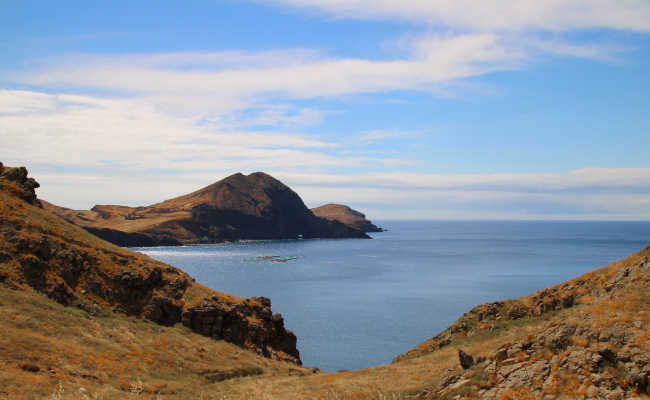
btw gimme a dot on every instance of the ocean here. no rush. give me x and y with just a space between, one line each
356 303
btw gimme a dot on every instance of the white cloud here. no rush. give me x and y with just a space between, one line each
90 132
274 115
379 134
580 179
215 85
433 59
192 109
595 51
490 15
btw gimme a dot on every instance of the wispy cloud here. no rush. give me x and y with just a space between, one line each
575 180
594 51
432 59
84 131
503 15
377 135
273 115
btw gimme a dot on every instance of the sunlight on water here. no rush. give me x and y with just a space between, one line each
180 253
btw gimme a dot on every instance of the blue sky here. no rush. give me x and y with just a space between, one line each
420 109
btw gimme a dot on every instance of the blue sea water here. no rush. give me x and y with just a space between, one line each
358 303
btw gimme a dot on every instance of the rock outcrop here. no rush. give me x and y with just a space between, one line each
347 216
590 340
43 252
18 183
256 206
563 355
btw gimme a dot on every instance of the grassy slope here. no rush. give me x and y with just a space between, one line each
34 223
51 351
42 342
114 217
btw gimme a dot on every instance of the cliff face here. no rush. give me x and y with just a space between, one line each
256 206
347 216
41 251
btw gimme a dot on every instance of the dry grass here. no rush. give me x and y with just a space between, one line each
114 217
401 380
46 348
32 223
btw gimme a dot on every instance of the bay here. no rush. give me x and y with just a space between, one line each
358 303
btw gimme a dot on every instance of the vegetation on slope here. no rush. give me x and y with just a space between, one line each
46 253
49 351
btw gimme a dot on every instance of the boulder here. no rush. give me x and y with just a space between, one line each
466 360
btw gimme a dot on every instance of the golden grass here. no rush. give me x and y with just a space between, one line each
114 357
45 346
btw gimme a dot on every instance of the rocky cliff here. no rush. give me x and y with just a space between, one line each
41 251
256 206
347 216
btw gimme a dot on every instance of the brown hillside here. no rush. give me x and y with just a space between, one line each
49 351
347 216
41 251
256 206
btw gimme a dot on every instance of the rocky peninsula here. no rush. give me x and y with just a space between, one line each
239 207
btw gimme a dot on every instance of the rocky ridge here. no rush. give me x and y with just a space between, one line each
43 252
594 345
255 206
347 216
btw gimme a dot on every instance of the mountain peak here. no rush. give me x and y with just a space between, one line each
254 206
